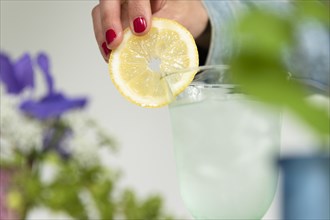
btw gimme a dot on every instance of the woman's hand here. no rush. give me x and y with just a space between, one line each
111 17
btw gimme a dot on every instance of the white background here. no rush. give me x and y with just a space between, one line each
63 29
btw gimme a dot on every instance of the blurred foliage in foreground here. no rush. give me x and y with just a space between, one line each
54 157
263 36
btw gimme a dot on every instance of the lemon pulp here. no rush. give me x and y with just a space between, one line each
141 66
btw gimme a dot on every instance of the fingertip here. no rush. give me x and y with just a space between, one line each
140 25
110 36
106 50
113 38
139 12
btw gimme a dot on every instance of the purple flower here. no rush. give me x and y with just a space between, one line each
16 76
44 65
54 104
51 106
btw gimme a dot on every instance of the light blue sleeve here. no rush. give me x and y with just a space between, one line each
310 59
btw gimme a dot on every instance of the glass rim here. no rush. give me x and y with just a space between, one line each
198 69
222 68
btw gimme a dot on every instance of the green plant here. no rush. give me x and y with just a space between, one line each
262 37
54 153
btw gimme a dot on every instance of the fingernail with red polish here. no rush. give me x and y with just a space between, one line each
139 24
110 35
106 50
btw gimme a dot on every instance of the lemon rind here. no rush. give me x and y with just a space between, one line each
114 58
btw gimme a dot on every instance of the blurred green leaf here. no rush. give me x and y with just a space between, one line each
129 205
313 10
101 191
259 66
151 208
63 193
263 31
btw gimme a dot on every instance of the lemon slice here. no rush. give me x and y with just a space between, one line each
146 69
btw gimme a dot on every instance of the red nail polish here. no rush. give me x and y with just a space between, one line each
110 35
106 50
139 24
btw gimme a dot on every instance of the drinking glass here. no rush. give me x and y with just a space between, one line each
225 145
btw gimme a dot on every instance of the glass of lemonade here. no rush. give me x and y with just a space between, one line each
225 145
